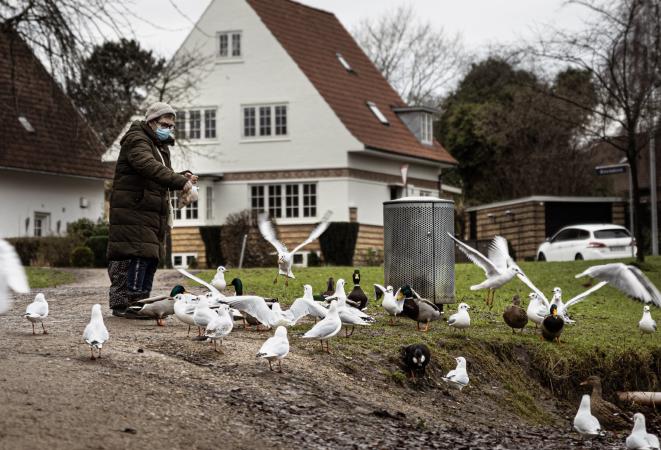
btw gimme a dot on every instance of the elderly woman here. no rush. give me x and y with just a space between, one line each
140 210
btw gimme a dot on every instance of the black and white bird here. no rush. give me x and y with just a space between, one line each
37 311
357 295
415 359
552 325
286 257
96 333
275 348
640 439
12 275
627 278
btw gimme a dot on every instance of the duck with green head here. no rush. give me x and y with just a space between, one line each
158 307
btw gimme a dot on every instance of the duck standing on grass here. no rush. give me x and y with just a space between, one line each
37 311
96 334
419 309
552 325
610 416
647 324
514 316
357 295
585 423
640 439
460 320
275 348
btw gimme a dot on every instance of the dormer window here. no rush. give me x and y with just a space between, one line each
229 44
377 112
427 129
344 62
419 120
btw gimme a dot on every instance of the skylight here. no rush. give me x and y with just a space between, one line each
26 124
377 112
344 62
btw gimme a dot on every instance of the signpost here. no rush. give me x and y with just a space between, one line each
615 169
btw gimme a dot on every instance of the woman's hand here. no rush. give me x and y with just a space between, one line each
192 178
188 186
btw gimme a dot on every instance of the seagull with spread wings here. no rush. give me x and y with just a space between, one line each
626 278
286 257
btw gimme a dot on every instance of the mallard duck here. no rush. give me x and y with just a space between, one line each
330 288
158 307
357 295
514 316
552 325
37 311
415 359
609 415
419 309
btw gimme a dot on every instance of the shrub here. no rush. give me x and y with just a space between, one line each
82 257
55 250
313 259
85 228
99 246
374 257
338 243
211 236
258 252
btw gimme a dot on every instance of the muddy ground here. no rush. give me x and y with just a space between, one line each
156 387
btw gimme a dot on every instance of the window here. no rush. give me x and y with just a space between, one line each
272 120
191 211
300 200
194 124
249 122
291 200
427 132
275 200
425 193
173 205
209 202
344 62
377 112
265 121
41 224
570 234
183 260
229 44
613 233
210 123
180 125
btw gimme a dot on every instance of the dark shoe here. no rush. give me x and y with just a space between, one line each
127 313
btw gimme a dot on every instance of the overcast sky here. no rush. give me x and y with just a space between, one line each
483 23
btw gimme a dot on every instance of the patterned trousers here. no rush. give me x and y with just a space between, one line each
130 280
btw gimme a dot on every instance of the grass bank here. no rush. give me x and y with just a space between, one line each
43 277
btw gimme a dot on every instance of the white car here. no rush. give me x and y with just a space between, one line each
576 242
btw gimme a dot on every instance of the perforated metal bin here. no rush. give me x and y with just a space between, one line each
417 248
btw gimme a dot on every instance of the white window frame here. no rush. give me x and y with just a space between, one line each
343 61
209 202
377 113
280 209
44 224
231 37
275 128
427 132
209 112
185 258
183 117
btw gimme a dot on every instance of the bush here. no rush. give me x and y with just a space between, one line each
82 257
85 228
211 236
55 250
338 243
259 253
99 246
313 259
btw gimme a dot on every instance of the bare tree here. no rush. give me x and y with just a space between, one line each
620 49
419 61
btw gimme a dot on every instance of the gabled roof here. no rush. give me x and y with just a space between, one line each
62 142
313 38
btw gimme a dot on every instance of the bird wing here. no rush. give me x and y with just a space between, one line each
654 294
303 307
266 228
622 277
37 309
378 288
499 254
583 295
477 258
146 301
318 231
95 332
274 347
200 281
253 305
534 288
416 294
12 269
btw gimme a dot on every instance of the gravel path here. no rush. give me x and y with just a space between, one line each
156 387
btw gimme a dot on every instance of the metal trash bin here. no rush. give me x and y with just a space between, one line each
417 249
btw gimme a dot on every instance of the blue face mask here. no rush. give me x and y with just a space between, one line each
162 134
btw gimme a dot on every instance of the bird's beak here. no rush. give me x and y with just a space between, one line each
400 296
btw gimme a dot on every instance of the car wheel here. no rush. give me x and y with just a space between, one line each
541 257
578 257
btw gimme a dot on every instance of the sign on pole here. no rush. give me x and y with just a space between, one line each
611 169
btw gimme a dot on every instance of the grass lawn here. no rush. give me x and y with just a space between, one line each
605 339
40 277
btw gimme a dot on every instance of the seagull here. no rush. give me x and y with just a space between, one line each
285 257
305 306
184 308
219 326
499 267
628 279
214 295
461 319
326 328
351 316
275 348
256 307
203 314
537 309
393 303
563 307
12 275
37 311
96 333
585 423
458 378
219 279
647 324
640 439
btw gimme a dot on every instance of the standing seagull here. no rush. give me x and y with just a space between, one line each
219 279
12 275
326 328
275 348
285 257
96 333
219 326
585 423
37 311
538 307
647 324
628 279
458 378
393 302
499 267
461 319
640 439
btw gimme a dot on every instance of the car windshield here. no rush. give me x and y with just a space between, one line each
613 233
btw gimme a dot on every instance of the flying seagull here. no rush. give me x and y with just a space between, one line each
628 279
12 275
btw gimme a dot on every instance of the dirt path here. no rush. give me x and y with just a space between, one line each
154 386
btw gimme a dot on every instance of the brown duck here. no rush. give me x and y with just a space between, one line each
610 416
514 316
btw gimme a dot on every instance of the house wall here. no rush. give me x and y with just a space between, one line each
24 193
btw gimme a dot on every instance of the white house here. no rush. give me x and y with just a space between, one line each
294 118
50 159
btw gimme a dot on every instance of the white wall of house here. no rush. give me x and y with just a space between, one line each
25 194
264 74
